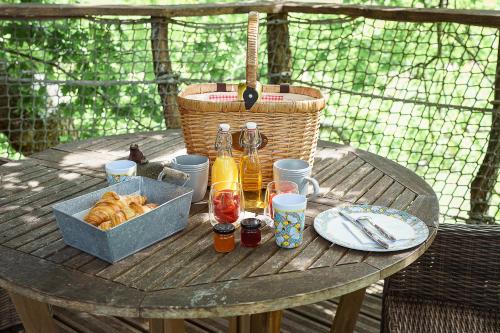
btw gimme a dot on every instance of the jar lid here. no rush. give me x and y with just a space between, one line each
224 228
250 223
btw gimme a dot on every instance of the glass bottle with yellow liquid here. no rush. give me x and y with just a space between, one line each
250 167
224 168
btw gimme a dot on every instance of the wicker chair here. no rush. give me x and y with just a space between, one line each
453 287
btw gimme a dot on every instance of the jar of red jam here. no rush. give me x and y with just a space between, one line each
250 232
224 237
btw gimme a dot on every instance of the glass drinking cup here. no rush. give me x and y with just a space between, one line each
273 189
226 203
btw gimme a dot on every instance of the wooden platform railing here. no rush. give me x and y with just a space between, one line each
486 18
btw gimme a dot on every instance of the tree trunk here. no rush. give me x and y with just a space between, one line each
483 185
279 55
26 133
163 71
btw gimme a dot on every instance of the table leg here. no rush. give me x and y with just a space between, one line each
347 312
240 324
36 316
268 322
166 326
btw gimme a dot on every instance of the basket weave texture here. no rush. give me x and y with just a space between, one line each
291 126
453 287
8 314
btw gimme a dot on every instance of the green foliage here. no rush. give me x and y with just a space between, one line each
415 93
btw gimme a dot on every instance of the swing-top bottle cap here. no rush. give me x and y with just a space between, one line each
251 125
224 127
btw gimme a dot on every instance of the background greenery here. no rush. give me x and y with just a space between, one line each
416 93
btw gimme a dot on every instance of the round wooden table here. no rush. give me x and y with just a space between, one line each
182 276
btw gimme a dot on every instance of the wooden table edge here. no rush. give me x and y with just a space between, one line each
422 189
215 311
140 310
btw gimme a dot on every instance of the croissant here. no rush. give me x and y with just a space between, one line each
135 198
118 218
139 209
110 196
106 225
99 214
112 209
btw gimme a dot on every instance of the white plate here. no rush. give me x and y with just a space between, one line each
331 226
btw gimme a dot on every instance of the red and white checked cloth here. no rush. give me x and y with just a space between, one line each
232 98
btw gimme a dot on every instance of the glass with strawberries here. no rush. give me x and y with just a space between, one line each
226 202
276 188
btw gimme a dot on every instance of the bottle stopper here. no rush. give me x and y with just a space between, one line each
224 127
251 125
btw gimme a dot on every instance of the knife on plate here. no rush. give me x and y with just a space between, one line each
361 227
382 231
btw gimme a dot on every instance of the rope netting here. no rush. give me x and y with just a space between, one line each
419 94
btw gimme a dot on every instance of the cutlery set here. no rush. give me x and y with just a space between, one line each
376 238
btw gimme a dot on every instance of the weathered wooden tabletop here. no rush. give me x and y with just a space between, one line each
182 276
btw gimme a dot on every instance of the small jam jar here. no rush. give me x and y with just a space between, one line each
250 232
223 237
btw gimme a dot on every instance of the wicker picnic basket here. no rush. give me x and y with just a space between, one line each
287 116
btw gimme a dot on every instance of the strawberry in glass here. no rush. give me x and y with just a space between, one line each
225 202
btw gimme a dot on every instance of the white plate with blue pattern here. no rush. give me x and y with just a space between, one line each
409 230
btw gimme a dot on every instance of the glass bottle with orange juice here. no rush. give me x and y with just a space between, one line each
224 168
226 198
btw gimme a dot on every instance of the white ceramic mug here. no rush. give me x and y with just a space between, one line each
297 171
196 166
120 171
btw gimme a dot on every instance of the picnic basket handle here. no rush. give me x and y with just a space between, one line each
252 48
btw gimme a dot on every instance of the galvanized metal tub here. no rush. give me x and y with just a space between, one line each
133 235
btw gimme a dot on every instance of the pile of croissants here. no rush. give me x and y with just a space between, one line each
113 209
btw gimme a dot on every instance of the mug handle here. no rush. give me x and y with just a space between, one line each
315 185
174 174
